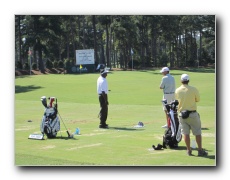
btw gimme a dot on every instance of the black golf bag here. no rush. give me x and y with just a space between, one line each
50 124
172 134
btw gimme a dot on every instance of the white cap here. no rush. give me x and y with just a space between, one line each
104 71
184 77
164 69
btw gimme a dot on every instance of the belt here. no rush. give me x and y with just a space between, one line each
191 111
169 93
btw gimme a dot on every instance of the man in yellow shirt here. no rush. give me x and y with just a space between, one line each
187 97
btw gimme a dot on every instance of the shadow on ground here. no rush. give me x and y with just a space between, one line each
22 89
127 129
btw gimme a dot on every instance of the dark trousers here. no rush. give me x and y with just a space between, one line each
104 110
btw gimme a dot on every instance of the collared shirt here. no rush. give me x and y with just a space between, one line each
102 85
168 84
187 97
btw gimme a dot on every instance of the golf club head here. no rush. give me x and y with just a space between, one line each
164 101
174 105
69 135
44 101
175 102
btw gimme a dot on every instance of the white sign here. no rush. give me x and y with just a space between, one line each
85 56
36 136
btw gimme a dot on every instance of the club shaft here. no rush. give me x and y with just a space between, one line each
62 121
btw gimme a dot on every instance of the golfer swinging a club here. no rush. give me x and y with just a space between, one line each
102 90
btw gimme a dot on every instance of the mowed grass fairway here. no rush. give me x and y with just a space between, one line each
135 96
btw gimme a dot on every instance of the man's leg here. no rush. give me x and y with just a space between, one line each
197 132
187 142
166 124
199 142
103 112
201 152
169 98
165 97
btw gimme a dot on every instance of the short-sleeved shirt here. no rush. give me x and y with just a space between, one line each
187 97
168 84
102 85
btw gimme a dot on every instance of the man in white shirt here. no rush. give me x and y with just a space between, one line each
102 91
168 87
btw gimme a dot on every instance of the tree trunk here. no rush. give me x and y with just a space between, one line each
41 65
19 40
107 45
191 48
72 39
67 46
177 54
110 47
200 45
95 38
170 54
154 48
83 33
38 55
186 49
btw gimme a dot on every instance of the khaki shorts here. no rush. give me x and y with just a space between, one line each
191 123
169 98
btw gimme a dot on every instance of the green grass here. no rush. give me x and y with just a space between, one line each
134 96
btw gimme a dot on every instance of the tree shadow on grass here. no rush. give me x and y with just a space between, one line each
199 70
22 89
127 129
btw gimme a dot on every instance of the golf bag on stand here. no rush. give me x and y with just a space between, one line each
50 124
172 134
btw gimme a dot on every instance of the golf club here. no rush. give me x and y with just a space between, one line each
61 119
64 125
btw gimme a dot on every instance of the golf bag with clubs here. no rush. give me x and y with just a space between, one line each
50 124
172 134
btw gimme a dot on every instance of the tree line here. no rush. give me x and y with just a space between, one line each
119 41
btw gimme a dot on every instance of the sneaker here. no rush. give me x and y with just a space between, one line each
103 126
202 153
189 152
165 126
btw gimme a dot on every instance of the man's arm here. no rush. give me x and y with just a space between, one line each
162 84
197 95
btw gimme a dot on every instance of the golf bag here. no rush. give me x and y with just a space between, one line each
50 124
172 134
